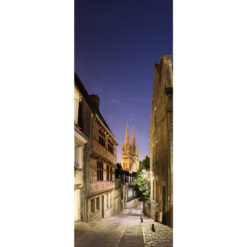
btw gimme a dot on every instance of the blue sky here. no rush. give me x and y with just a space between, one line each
117 44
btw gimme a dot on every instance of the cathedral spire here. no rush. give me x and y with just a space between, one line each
130 154
127 134
133 137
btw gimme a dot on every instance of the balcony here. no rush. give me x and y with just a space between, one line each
101 186
103 152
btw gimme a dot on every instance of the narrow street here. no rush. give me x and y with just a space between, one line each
123 230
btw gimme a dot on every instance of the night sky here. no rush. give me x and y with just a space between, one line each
117 43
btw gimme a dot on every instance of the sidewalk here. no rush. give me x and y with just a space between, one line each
162 237
123 230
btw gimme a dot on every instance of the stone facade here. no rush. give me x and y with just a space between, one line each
80 141
161 142
118 197
130 153
100 157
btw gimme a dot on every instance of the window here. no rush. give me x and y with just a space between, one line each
111 174
110 146
101 141
97 203
99 171
107 174
101 138
93 205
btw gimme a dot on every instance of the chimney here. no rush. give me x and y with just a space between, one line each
95 100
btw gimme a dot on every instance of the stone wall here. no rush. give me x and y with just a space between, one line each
118 201
161 142
106 205
125 195
146 209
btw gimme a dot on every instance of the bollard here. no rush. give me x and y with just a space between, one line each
153 229
141 219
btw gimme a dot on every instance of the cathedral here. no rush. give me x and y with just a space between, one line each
130 153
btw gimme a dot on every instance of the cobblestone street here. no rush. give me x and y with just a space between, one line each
122 230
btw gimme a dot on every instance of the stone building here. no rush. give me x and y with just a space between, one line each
161 142
80 141
100 157
124 180
130 153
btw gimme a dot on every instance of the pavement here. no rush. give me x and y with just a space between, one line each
123 230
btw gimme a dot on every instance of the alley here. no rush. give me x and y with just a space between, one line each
122 230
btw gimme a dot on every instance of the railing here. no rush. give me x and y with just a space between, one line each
101 186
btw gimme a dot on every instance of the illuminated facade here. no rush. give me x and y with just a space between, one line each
130 153
161 142
80 141
100 156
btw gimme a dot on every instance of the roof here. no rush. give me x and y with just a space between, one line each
86 96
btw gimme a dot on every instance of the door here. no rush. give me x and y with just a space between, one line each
103 206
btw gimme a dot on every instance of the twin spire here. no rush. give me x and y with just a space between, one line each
127 135
133 137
